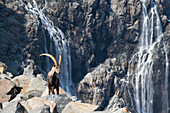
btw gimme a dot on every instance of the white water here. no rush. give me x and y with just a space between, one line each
58 42
141 77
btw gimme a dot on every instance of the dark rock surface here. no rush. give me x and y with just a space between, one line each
101 84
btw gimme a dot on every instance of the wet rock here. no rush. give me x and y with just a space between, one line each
77 107
14 107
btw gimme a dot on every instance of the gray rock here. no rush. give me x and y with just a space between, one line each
31 94
115 103
6 75
98 86
29 70
61 101
42 109
37 102
14 107
77 107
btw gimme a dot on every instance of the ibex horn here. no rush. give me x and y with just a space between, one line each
59 63
54 60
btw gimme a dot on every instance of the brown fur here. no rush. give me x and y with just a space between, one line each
53 81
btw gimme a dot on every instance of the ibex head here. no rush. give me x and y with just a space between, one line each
56 66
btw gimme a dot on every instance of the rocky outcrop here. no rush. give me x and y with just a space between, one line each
96 30
101 84
60 100
29 94
36 102
77 107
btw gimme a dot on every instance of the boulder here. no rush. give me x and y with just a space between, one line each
6 87
22 80
77 107
34 84
42 109
37 102
61 101
14 107
27 95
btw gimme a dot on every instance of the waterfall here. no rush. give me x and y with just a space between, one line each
140 71
58 42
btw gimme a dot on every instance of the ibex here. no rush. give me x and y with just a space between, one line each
52 79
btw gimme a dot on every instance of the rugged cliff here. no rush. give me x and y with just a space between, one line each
103 36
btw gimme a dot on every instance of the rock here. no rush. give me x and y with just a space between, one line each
6 75
3 68
6 87
115 104
29 70
121 110
61 91
42 109
34 84
98 86
40 76
22 80
77 107
14 107
37 102
61 101
27 95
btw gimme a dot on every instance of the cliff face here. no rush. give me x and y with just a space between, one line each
96 30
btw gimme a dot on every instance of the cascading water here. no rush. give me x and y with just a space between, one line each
57 42
140 73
